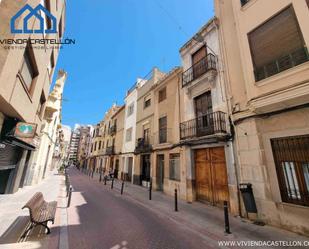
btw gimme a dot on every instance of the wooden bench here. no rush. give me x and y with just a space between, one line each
40 211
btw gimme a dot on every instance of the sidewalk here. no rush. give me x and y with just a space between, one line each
13 219
205 220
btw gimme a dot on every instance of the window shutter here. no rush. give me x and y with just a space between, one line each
277 37
199 54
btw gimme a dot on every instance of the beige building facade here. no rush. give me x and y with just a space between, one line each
168 169
26 75
267 70
145 129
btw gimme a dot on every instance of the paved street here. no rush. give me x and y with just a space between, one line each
99 218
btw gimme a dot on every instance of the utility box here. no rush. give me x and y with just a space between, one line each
248 197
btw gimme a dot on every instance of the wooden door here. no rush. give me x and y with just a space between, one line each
211 175
203 175
219 176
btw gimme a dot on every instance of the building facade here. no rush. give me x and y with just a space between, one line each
27 73
48 138
144 129
74 143
118 121
168 171
266 65
205 134
128 144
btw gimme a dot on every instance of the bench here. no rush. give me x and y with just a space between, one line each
40 211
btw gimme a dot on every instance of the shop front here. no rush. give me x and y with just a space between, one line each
17 141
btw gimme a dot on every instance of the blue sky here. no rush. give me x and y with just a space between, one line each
118 41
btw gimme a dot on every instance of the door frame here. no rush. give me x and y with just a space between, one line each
212 174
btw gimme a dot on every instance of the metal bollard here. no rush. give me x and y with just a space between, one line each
122 186
176 201
226 218
92 174
70 195
100 177
150 190
112 186
104 180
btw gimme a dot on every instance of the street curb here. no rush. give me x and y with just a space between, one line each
63 237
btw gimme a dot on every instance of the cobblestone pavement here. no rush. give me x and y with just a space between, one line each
100 218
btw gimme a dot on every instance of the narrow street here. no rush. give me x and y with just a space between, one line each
100 218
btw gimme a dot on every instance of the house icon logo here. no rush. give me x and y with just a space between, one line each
36 12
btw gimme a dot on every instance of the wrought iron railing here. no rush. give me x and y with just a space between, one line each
208 124
143 144
112 130
281 64
198 69
110 150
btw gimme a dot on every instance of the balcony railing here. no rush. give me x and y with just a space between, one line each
208 124
198 69
281 64
112 130
110 150
143 144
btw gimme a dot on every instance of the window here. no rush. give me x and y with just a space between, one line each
129 135
51 65
100 145
41 105
95 146
277 45
203 104
28 71
292 165
243 2
162 130
199 55
130 110
162 94
175 167
147 101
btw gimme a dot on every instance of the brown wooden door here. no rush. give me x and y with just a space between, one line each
211 175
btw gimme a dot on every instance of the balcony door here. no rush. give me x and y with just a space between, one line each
203 114
198 64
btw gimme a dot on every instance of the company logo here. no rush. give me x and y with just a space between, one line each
34 13
25 130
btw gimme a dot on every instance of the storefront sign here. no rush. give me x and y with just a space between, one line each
25 130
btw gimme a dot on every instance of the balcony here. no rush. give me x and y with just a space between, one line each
143 145
110 150
203 66
112 130
281 64
209 124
